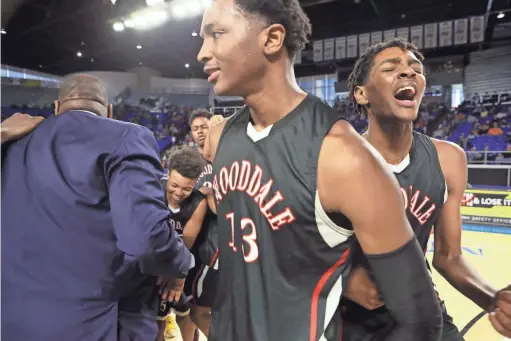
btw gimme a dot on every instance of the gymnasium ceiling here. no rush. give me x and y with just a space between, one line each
46 35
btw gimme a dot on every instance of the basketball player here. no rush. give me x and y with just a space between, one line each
205 284
18 125
188 207
199 126
387 85
292 183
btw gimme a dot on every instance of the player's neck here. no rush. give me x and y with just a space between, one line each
277 97
200 150
393 140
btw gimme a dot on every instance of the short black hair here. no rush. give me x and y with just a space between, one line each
365 63
199 113
187 161
288 13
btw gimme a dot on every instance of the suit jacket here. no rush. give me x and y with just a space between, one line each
84 231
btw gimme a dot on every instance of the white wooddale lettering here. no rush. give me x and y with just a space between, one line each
233 175
224 179
248 178
423 218
255 181
244 175
282 218
425 208
269 205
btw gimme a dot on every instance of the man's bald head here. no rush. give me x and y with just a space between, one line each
83 92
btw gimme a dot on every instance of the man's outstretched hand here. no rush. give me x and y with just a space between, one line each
19 125
500 317
171 288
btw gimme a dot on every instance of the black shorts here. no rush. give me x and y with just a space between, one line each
204 286
182 308
357 325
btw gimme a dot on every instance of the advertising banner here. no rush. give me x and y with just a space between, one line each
486 207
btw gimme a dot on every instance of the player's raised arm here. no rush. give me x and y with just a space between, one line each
448 257
353 180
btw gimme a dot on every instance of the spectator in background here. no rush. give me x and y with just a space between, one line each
507 153
495 130
483 130
474 156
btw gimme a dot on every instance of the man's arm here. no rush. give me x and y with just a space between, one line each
193 226
18 125
448 258
353 180
210 197
139 214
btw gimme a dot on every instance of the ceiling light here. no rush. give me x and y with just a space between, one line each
118 26
194 34
179 11
113 2
129 23
3 31
154 2
139 46
149 18
140 63
187 65
79 54
499 16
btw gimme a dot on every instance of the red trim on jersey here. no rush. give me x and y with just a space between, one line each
194 283
213 259
317 292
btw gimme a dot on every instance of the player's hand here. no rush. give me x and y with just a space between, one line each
362 290
171 288
500 317
18 125
213 121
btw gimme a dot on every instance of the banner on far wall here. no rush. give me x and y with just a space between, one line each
486 207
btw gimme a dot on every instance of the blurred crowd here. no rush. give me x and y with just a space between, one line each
481 126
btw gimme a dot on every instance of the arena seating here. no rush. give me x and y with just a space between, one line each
168 122
480 125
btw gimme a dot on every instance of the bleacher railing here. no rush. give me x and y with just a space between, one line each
489 168
489 157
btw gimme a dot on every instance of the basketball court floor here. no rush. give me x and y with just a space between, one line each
490 254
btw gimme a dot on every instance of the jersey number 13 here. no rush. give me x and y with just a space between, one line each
249 248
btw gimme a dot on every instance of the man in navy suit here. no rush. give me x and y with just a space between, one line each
85 230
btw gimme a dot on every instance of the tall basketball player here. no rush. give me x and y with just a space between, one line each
292 183
188 207
387 85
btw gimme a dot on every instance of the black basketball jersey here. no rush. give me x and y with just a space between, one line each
206 177
423 187
207 240
282 260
